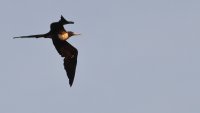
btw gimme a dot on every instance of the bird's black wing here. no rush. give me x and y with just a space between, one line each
70 53
34 36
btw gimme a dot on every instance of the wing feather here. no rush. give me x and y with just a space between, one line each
34 36
70 53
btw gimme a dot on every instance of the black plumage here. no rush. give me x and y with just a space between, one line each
59 35
70 54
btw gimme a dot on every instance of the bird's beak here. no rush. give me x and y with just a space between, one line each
75 34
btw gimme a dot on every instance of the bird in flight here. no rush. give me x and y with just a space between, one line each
59 35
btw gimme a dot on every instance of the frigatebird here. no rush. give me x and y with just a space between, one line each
59 35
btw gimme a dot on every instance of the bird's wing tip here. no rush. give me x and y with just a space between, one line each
70 84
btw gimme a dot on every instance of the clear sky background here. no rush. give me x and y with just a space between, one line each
135 56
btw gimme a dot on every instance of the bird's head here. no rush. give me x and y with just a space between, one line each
70 33
64 35
64 21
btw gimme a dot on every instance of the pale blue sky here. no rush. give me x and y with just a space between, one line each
135 56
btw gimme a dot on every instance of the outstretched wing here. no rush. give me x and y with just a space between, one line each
34 36
70 53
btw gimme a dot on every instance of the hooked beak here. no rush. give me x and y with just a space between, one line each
75 34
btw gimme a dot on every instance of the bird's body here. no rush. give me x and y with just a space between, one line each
59 35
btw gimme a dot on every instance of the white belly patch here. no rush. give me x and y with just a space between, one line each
63 36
